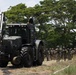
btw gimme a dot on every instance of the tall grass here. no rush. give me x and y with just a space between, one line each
69 71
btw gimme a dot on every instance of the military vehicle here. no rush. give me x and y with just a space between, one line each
18 45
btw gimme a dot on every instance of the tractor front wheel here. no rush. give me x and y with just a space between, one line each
3 60
26 57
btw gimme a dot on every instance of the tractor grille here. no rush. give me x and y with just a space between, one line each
7 46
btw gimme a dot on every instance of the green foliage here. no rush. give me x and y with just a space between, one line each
61 13
15 14
54 16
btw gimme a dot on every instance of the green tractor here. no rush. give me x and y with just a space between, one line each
18 44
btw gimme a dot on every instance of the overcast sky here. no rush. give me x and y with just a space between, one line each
5 4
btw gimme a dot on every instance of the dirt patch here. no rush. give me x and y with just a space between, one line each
36 70
47 68
1 72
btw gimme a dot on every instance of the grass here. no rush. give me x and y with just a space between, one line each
71 70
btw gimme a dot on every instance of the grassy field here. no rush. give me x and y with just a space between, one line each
71 70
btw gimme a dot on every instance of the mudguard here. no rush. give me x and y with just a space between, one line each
37 43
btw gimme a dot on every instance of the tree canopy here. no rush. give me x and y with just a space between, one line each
56 19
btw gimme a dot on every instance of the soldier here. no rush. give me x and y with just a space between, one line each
31 29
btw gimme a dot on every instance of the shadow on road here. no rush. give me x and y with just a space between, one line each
6 70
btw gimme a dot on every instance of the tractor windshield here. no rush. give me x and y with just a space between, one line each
16 31
19 31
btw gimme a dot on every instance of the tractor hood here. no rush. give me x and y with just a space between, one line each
11 37
12 40
11 43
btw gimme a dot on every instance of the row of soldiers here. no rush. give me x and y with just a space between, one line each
59 53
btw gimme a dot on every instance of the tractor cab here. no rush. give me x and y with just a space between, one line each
19 30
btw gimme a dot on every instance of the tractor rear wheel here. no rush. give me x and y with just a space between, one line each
40 55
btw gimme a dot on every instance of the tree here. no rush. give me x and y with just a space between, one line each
60 15
15 14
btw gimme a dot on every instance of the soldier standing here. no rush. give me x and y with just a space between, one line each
31 29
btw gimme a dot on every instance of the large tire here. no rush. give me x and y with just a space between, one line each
26 57
3 60
40 55
3 63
